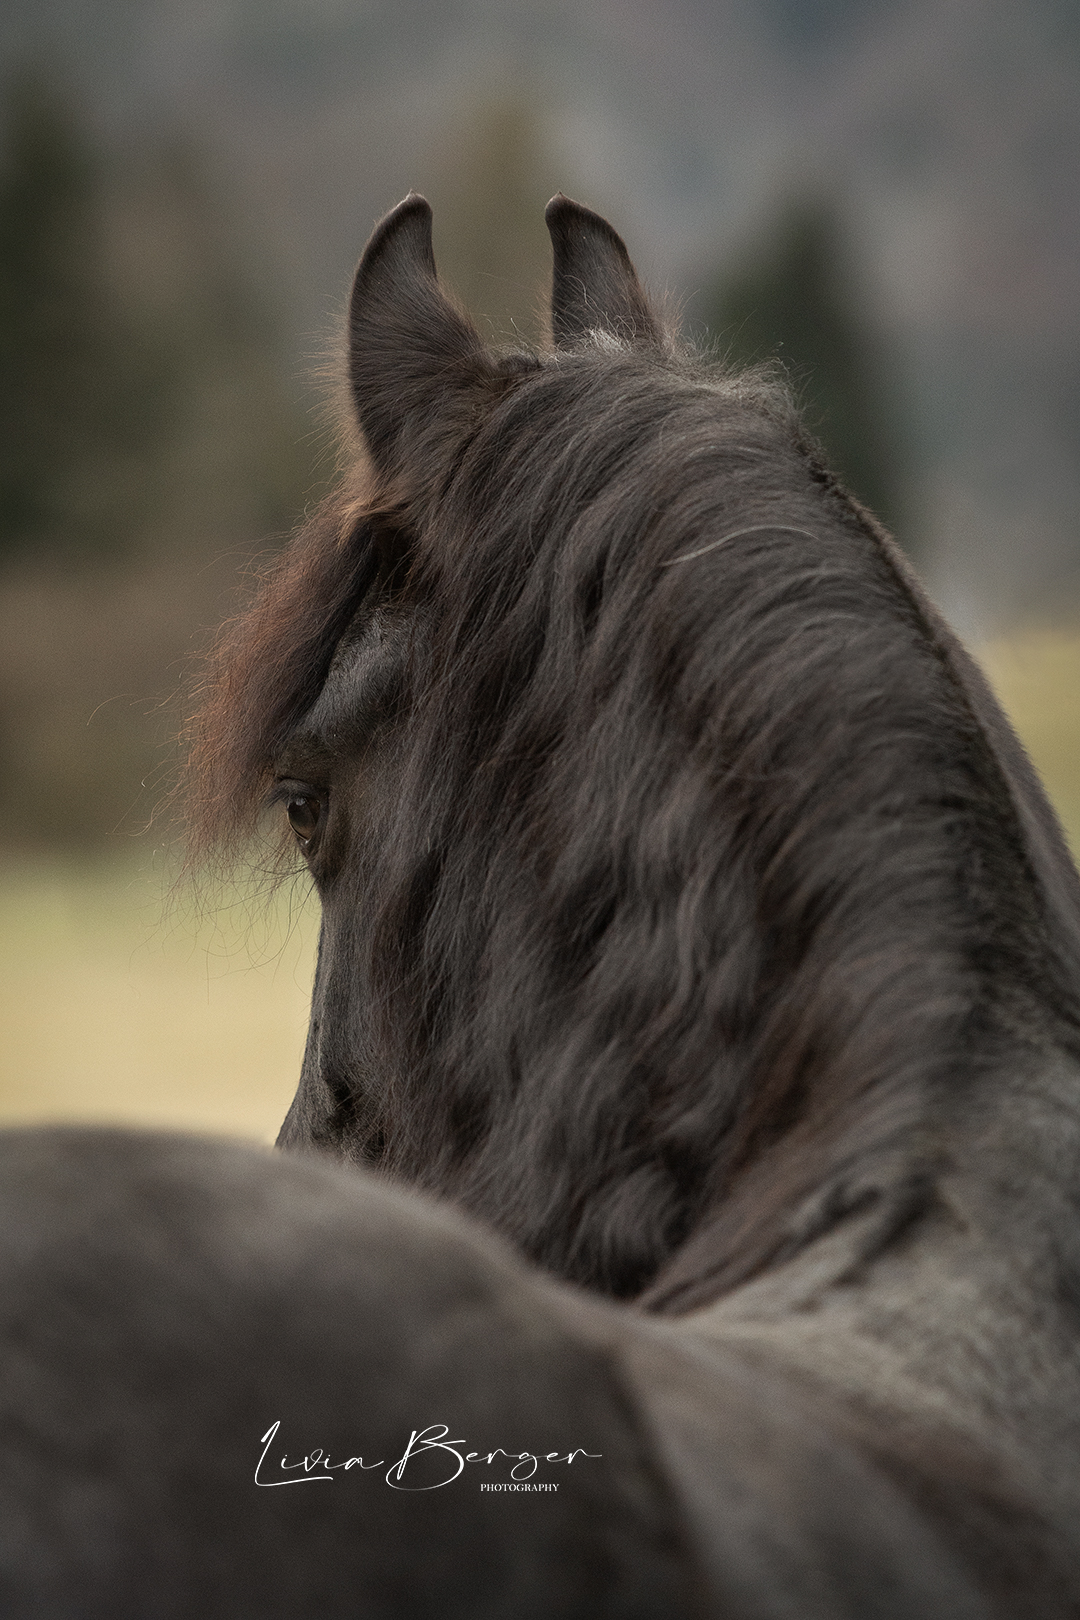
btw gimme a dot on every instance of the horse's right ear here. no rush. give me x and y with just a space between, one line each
410 351
594 287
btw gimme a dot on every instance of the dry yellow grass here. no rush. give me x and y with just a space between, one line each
117 1005
1036 674
121 1004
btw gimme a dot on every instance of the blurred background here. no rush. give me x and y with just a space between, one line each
883 196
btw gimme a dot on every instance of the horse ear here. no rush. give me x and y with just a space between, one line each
410 350
594 285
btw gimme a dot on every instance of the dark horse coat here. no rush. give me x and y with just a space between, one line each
692 917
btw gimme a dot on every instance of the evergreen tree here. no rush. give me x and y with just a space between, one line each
146 432
492 244
79 401
143 394
791 300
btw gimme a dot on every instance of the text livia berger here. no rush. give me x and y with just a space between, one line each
444 1457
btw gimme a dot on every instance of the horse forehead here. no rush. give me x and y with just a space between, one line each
362 668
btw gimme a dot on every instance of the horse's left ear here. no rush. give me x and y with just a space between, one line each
594 286
411 353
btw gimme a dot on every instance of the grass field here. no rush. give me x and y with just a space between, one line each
120 1001
1036 675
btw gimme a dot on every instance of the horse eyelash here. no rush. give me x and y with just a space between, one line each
291 787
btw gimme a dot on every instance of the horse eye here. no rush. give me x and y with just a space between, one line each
304 813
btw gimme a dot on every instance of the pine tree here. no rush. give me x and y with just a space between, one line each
492 245
54 338
791 300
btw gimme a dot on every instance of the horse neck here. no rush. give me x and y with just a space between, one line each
963 1325
956 972
963 1260
713 942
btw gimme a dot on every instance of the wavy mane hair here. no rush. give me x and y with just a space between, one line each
683 885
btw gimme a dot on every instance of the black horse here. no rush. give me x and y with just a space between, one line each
690 912
684 890
693 918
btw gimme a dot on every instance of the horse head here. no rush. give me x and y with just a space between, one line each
677 868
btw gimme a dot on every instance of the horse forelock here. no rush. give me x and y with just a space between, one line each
268 665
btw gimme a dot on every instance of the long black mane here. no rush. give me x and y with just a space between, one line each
682 883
